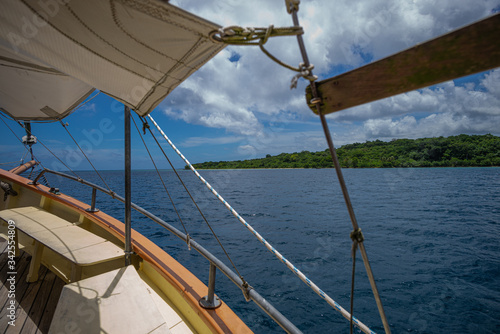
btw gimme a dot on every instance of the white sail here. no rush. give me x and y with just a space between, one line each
59 51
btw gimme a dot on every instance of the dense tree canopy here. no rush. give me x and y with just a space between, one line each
462 150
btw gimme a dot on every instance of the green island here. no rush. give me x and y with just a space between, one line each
455 151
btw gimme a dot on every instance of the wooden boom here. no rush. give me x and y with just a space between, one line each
472 49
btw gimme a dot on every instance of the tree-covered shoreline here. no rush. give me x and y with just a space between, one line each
455 151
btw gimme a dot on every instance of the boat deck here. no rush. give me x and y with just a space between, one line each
35 302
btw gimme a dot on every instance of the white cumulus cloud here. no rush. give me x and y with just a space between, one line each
244 92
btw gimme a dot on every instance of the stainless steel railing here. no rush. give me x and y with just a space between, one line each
209 300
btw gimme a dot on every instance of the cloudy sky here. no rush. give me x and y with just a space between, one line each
240 105
248 96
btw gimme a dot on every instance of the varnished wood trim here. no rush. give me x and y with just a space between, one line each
472 49
220 320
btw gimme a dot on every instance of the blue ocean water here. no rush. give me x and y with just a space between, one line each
432 237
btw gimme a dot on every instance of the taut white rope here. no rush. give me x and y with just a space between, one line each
290 266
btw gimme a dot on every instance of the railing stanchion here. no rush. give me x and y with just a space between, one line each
128 189
92 205
215 263
211 301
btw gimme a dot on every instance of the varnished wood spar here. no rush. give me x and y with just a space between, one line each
21 169
472 49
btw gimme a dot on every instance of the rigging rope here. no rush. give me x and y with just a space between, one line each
245 284
28 150
65 126
25 154
164 185
292 8
289 265
55 156
236 35
356 237
9 163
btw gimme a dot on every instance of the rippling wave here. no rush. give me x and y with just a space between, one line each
432 236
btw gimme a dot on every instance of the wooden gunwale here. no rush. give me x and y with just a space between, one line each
220 320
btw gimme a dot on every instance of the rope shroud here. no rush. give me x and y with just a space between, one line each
269 247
